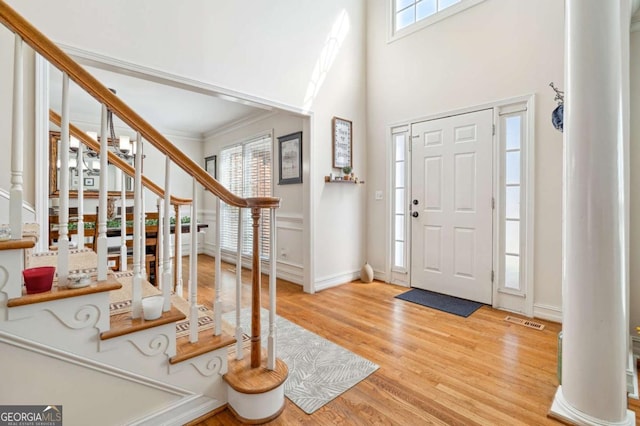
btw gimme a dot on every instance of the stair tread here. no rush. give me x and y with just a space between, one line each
57 293
23 243
123 323
207 342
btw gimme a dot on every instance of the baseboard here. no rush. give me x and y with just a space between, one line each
547 312
335 280
180 412
285 270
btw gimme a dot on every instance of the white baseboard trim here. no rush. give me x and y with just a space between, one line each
290 271
547 312
180 412
336 280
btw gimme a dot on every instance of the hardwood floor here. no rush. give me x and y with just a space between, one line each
435 368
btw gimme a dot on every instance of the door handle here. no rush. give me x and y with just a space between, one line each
415 214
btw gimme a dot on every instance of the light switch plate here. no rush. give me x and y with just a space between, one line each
378 195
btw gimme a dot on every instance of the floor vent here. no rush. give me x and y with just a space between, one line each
526 323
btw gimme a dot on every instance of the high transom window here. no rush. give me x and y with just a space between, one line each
411 15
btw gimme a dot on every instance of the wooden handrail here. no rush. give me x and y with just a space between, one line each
115 160
56 56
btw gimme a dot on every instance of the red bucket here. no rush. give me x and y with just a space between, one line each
38 280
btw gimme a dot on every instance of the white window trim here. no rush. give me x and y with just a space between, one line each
394 35
404 129
527 207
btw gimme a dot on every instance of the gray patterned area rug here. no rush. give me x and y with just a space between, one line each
319 370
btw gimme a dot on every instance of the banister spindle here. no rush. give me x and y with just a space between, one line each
177 253
102 203
160 243
136 298
143 218
239 331
217 304
17 143
167 285
193 274
256 351
123 224
271 342
63 155
80 169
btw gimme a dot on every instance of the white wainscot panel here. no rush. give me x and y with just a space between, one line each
433 138
464 243
465 182
433 248
433 183
465 134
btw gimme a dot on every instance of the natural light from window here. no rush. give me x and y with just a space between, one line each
328 54
408 12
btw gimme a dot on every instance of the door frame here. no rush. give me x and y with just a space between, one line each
528 175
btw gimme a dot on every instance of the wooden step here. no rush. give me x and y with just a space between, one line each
57 293
207 342
25 243
123 323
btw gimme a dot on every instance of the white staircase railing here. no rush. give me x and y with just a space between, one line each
26 33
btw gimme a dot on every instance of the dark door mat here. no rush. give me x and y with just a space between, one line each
441 302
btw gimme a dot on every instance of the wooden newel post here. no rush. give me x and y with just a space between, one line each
256 350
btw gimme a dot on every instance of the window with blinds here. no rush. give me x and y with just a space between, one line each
245 169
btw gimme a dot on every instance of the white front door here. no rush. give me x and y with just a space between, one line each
451 205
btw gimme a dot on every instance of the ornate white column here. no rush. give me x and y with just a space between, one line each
594 350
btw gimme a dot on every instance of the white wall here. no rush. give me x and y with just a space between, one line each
290 244
306 54
495 50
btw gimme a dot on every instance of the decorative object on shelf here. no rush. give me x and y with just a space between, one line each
338 179
366 273
347 173
557 116
5 233
290 158
38 280
210 165
342 135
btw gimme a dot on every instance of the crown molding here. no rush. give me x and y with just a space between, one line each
238 124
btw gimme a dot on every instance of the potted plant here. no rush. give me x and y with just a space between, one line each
347 172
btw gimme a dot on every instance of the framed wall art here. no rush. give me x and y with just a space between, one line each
290 158
342 136
210 165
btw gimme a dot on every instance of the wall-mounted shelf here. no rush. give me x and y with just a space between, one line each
327 179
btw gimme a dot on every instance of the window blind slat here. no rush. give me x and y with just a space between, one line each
246 171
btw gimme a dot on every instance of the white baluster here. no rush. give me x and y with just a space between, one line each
239 331
136 297
123 223
160 243
271 342
178 252
17 144
143 219
102 203
166 274
217 304
193 275
80 169
63 155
